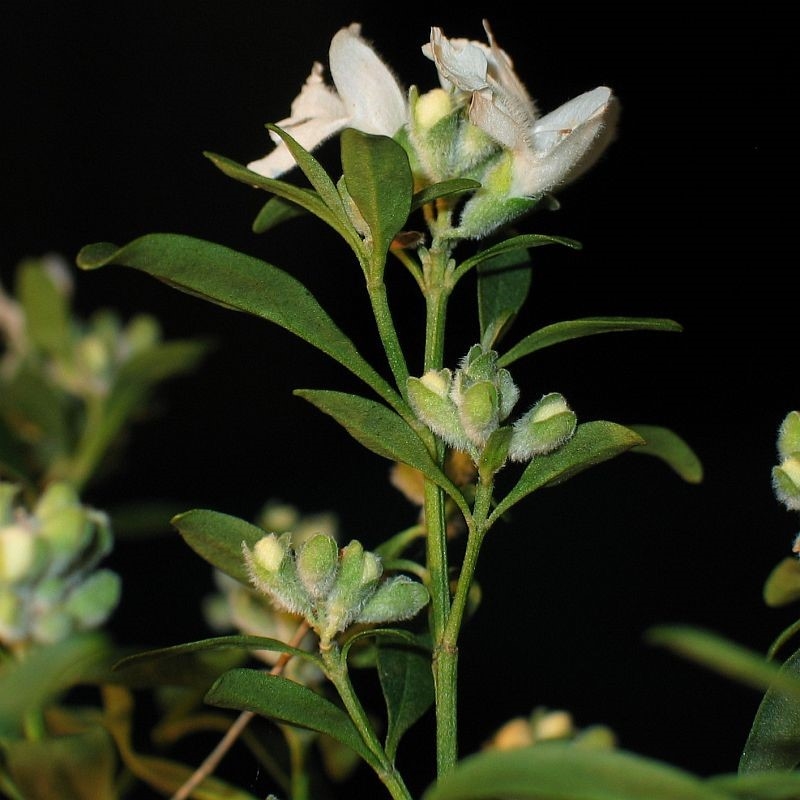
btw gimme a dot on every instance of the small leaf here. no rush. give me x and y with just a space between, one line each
218 538
449 188
382 431
275 211
593 443
674 451
723 656
783 583
283 700
46 307
239 282
503 285
46 672
378 178
578 328
774 739
759 785
80 766
561 771
515 243
407 683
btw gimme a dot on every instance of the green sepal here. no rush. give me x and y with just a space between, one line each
276 211
563 771
578 328
379 181
593 443
240 282
673 450
382 431
495 452
284 700
783 583
448 188
218 538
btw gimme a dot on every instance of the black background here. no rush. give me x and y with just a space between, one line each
690 215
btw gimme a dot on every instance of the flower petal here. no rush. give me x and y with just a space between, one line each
461 63
372 97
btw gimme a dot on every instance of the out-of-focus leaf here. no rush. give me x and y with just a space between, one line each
759 785
504 280
450 188
675 452
46 307
783 583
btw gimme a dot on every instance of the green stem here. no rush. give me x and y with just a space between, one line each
297 764
388 333
336 670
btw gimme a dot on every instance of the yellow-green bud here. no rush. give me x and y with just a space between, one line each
432 107
17 553
786 482
547 426
91 602
429 398
317 563
789 435
479 411
269 553
272 570
396 599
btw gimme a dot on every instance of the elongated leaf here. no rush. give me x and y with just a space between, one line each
504 281
728 658
382 431
161 774
578 328
80 766
593 443
46 307
46 671
305 198
774 739
275 211
192 664
450 188
783 583
378 178
239 282
218 538
759 785
559 771
407 683
522 242
675 452
280 699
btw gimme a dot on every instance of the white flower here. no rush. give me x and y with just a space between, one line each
546 151
367 97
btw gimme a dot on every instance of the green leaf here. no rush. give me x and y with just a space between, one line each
382 431
503 285
593 443
283 700
774 739
47 312
80 766
449 188
300 196
12 458
239 282
165 776
46 671
783 583
179 666
218 538
674 451
515 243
759 785
407 683
379 180
723 656
578 328
561 771
275 211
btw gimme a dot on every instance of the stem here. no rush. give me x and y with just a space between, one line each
387 332
297 758
336 670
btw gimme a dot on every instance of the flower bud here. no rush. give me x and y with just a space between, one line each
92 601
786 482
479 411
272 570
548 425
396 599
317 563
429 398
17 553
789 435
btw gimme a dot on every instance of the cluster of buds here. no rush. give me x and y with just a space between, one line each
240 607
81 358
330 588
49 585
466 407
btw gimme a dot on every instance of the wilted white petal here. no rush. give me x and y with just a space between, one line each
460 62
372 97
555 126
